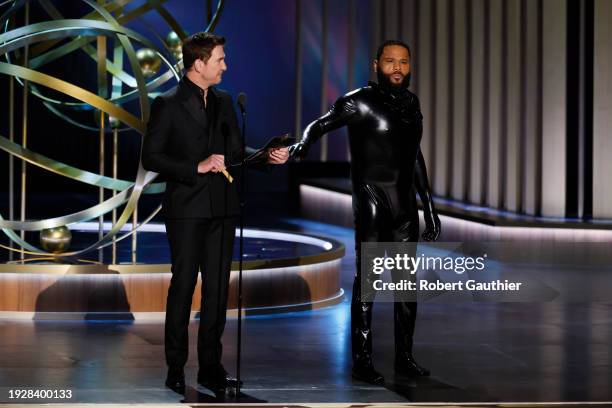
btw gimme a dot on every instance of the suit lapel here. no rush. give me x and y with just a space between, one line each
192 105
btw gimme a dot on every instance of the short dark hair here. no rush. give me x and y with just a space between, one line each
199 46
392 42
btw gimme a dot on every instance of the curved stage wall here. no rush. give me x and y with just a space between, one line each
127 291
329 201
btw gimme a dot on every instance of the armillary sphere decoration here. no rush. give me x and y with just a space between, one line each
151 66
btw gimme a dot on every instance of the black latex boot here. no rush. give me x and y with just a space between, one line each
364 371
408 366
361 323
405 317
361 339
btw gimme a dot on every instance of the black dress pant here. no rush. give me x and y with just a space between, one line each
381 216
204 245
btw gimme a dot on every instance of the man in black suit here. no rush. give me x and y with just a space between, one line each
191 137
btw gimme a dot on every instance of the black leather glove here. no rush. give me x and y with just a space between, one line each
433 227
299 150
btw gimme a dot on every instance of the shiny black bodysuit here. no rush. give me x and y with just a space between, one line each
387 169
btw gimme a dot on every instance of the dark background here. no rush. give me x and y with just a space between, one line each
261 62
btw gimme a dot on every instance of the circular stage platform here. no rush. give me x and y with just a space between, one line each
282 271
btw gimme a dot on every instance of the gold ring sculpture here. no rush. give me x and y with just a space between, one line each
46 42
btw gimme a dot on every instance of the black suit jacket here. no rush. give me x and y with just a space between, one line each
178 137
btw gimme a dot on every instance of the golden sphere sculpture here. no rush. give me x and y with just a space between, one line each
175 45
114 122
56 240
149 62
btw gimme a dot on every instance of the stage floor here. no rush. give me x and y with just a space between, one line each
512 353
477 352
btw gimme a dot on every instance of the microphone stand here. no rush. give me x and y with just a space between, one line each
241 222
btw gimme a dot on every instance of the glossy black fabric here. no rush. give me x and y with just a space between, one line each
379 218
387 170
385 131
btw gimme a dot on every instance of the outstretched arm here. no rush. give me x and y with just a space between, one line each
432 222
339 115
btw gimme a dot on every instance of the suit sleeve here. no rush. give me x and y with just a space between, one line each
340 114
155 147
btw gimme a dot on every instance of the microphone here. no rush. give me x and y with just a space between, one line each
242 100
225 132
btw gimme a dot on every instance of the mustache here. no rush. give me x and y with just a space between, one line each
386 80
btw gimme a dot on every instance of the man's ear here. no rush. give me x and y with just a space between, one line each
195 65
375 65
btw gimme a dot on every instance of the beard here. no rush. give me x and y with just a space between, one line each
385 82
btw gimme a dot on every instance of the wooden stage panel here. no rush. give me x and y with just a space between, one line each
109 291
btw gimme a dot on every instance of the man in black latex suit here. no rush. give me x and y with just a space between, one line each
387 168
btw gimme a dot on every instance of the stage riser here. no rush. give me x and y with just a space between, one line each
336 208
265 289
